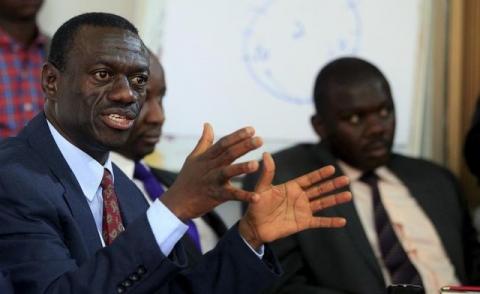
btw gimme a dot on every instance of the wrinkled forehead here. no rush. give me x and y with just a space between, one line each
92 43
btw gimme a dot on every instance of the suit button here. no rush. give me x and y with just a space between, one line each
133 277
141 270
120 289
126 283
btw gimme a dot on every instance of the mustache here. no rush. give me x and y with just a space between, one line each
130 111
377 143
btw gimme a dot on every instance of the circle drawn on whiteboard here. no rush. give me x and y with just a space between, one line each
286 42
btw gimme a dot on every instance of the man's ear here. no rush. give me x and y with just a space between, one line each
318 124
50 76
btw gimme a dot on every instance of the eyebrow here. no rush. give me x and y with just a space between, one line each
109 62
361 109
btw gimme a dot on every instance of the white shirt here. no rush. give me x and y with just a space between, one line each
167 228
414 229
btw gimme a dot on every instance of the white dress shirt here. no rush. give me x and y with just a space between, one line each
167 228
414 229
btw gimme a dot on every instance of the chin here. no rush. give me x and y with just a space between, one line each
374 163
113 143
144 150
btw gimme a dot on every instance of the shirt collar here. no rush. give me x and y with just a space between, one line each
354 174
87 171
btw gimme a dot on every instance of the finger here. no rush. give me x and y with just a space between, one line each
233 193
205 141
329 201
225 142
236 151
268 172
328 186
327 222
238 169
311 178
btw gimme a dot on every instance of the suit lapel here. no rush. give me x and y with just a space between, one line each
41 140
354 227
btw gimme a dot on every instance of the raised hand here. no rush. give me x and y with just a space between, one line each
204 180
289 208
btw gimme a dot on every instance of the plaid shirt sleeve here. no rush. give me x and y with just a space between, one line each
21 96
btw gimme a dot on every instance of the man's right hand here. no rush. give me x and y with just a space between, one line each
204 180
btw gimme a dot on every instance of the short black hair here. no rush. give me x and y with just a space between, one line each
345 72
63 38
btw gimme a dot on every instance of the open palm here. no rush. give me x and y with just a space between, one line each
288 208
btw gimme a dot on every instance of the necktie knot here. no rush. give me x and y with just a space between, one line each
370 178
107 180
141 172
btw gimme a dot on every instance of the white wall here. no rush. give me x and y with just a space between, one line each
56 12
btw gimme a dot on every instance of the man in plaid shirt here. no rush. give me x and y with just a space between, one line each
22 53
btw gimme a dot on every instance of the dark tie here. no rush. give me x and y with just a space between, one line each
155 190
394 256
112 224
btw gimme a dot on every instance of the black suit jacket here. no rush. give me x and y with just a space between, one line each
342 260
49 242
5 284
472 144
211 218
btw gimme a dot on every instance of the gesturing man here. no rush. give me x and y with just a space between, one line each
73 223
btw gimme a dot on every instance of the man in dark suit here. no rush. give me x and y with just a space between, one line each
72 222
407 220
205 231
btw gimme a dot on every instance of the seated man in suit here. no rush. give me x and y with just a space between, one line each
407 222
72 222
203 232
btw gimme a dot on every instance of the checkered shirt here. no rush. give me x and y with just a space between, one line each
21 95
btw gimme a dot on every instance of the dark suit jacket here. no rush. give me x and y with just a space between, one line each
341 260
472 144
49 242
5 284
211 218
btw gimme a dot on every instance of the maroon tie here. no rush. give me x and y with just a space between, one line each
112 220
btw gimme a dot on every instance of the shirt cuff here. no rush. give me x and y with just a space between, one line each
260 252
167 228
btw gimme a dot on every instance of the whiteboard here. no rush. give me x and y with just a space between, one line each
252 62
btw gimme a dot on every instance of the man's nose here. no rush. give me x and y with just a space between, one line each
122 91
155 114
375 125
